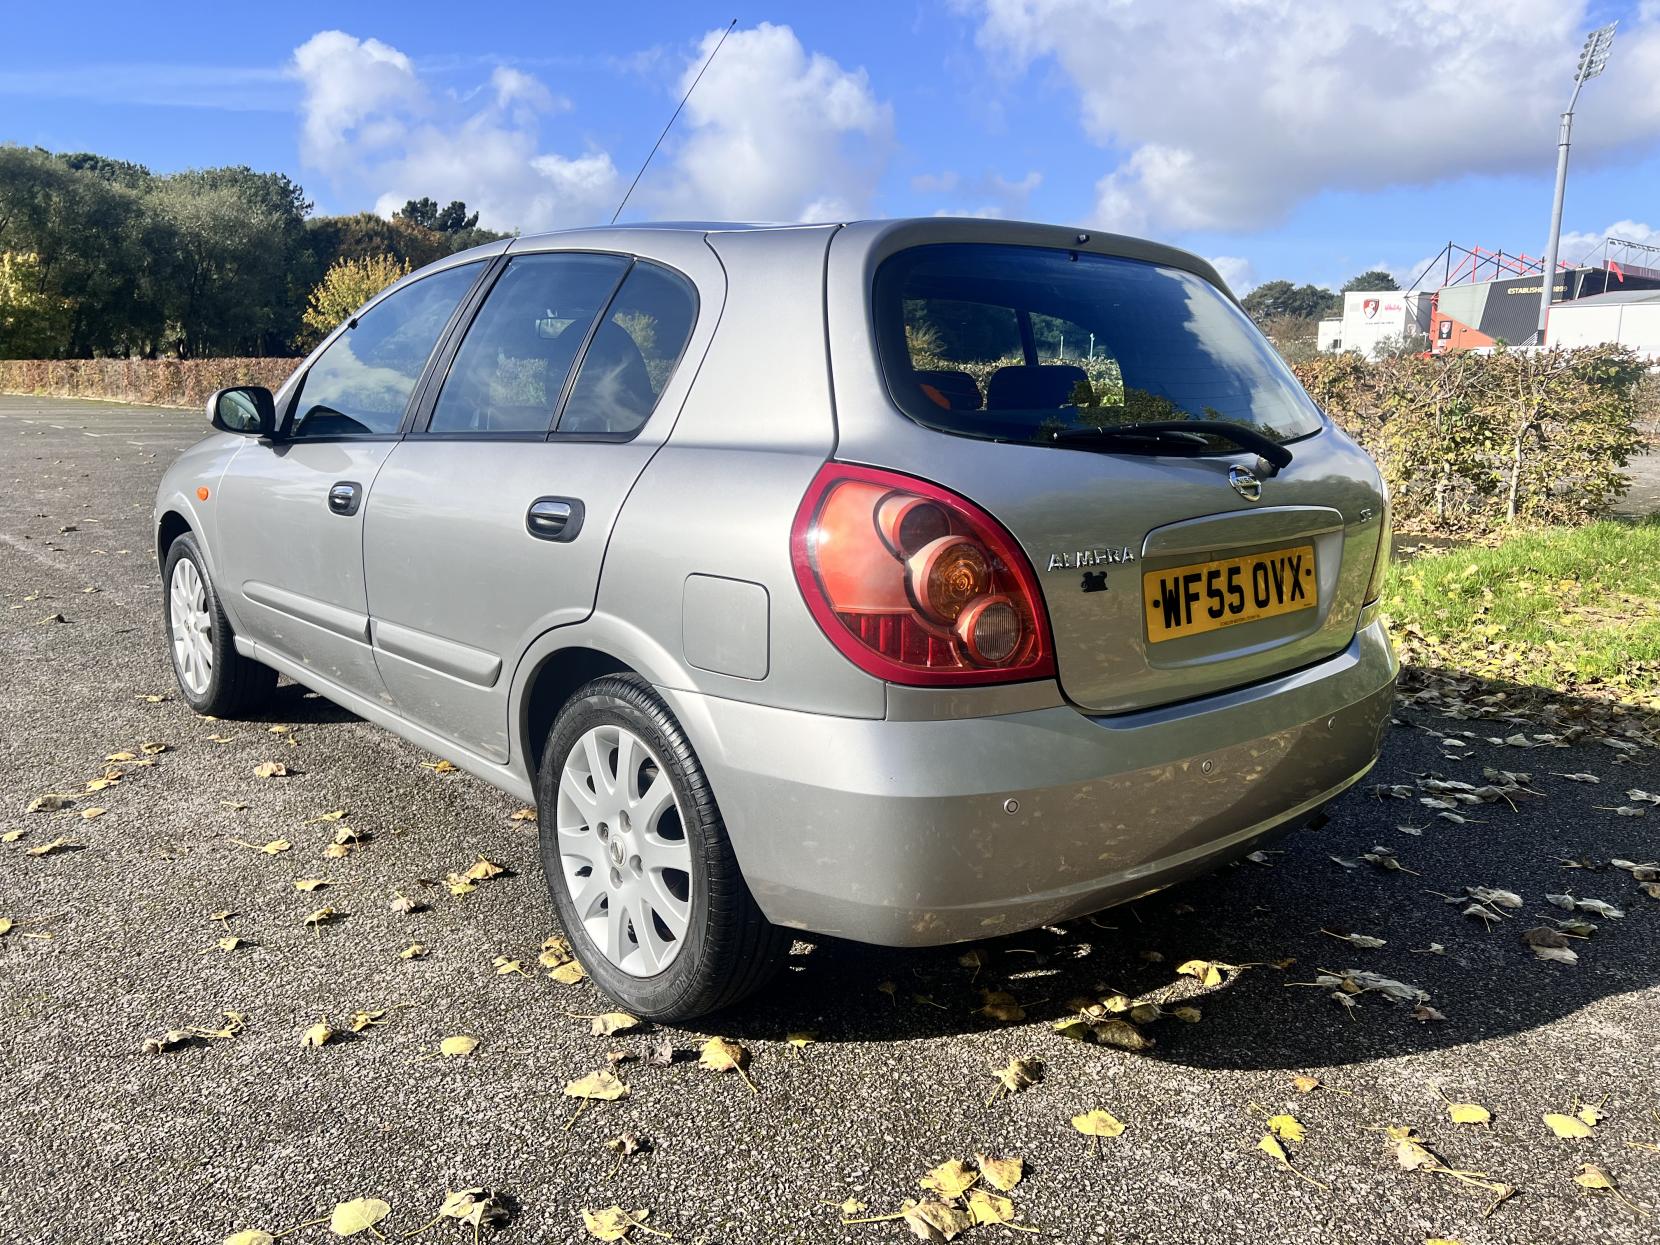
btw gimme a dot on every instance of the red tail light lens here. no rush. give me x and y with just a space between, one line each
915 584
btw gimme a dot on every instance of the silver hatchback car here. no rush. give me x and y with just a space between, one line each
910 582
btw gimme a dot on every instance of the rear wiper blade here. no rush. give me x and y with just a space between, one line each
1153 440
1182 432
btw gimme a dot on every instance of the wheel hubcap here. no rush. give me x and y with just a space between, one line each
191 627
623 851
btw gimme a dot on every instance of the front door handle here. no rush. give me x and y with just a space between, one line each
554 518
345 497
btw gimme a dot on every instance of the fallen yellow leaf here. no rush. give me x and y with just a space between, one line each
360 1214
1566 1126
598 1086
1098 1123
316 1036
1286 1127
1002 1174
720 1055
1469 1113
950 1179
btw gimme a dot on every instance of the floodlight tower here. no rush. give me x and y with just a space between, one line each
1593 58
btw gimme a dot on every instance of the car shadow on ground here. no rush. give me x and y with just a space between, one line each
1277 917
293 704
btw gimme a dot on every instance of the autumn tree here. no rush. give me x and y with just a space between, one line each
34 323
345 287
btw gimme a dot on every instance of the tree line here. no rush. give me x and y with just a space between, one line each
1285 300
102 257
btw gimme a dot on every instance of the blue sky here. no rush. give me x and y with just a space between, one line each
1307 141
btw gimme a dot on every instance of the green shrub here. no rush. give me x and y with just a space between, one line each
1474 442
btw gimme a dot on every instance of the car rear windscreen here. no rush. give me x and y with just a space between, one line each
1021 343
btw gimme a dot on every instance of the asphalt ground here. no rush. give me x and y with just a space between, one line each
112 943
1643 498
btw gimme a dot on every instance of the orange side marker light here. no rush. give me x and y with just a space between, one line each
202 493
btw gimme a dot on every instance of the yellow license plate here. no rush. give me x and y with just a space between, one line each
1206 596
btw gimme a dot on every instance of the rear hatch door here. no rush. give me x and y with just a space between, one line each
1171 565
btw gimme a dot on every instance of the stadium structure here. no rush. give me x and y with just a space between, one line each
1470 298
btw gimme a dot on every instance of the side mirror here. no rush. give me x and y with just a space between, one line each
247 410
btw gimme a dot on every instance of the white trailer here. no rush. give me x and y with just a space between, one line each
1378 320
1623 317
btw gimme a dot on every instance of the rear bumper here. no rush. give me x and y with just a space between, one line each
921 833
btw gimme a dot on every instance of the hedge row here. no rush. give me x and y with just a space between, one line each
1467 442
150 382
1470 443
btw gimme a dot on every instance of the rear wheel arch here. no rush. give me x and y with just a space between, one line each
721 946
549 685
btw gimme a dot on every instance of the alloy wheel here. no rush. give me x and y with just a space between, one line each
192 627
623 849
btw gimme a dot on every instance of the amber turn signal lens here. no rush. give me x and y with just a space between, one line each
202 493
946 574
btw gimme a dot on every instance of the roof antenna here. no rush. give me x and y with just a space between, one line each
672 120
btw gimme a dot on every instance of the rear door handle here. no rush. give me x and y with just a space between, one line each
345 497
554 518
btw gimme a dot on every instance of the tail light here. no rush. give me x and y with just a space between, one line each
915 584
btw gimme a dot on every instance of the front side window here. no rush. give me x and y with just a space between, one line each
360 385
1024 343
633 354
512 365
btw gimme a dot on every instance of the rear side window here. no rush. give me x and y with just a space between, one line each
633 354
512 365
1019 343
360 385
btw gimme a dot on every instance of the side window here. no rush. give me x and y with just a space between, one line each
512 364
633 354
362 382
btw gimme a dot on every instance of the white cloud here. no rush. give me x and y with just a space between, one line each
515 89
352 89
1406 274
1236 271
371 123
772 132
1576 246
1229 118
775 133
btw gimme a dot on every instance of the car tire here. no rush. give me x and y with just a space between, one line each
695 956
212 676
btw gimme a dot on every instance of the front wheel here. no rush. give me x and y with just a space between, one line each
637 860
213 676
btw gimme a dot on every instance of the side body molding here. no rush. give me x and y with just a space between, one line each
335 618
459 661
